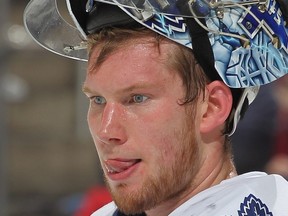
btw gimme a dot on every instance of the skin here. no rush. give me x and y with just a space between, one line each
135 116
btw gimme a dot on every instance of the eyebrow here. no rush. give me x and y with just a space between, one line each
85 89
133 87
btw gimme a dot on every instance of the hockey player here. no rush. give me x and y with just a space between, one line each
168 82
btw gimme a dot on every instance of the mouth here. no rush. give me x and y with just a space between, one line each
120 169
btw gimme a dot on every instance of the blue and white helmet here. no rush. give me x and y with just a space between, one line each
244 42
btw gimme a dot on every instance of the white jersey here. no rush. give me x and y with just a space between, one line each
250 194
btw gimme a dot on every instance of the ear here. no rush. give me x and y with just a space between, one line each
216 107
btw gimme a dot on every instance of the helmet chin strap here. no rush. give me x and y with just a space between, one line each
200 42
203 52
247 97
284 8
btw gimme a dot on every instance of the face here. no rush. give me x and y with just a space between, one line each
144 137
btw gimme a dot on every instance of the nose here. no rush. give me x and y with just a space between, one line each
112 129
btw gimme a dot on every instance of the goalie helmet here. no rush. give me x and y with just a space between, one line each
242 42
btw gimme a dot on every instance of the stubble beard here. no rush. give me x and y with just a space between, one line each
166 184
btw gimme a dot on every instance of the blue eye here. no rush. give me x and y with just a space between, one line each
99 100
139 98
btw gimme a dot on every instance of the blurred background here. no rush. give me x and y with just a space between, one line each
48 163
47 158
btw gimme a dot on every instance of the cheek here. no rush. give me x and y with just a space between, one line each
170 137
161 139
93 120
92 126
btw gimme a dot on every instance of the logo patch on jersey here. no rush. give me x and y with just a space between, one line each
252 206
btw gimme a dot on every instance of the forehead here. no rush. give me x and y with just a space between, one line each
140 62
102 50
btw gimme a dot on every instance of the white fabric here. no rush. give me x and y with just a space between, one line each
257 193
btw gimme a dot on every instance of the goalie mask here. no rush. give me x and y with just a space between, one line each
242 42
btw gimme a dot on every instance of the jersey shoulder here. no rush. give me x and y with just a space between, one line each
107 210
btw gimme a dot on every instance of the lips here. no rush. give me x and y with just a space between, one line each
118 169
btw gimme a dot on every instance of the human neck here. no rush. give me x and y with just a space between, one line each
211 173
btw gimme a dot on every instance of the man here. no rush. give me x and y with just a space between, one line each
166 92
